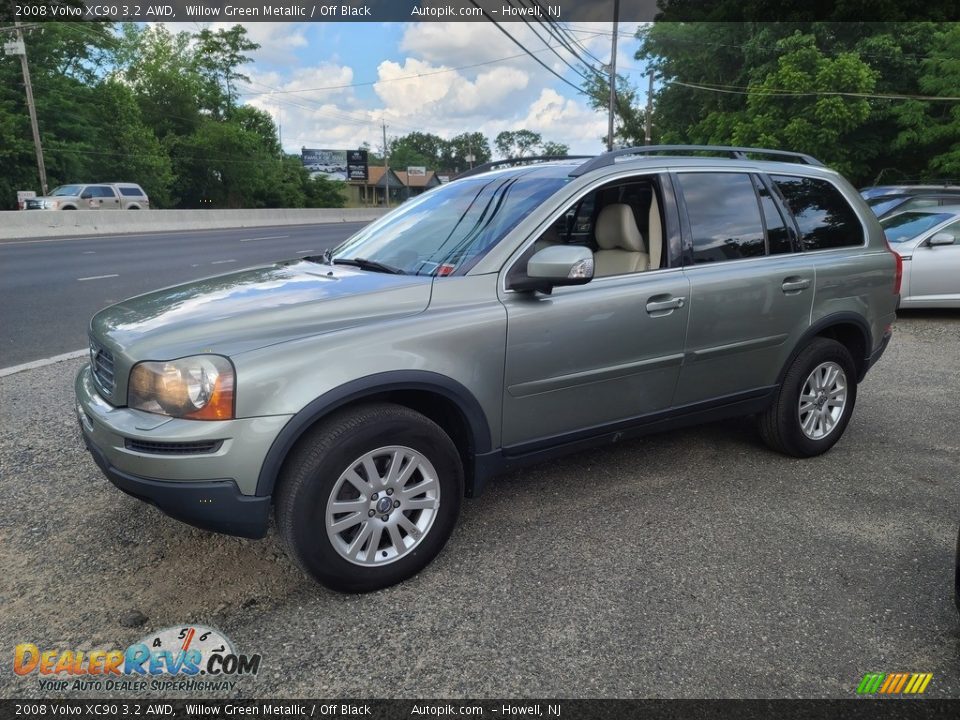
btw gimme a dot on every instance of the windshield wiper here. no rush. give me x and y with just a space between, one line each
365 264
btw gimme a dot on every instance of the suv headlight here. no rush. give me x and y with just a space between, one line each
198 387
49 204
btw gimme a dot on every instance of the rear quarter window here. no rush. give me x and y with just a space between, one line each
823 215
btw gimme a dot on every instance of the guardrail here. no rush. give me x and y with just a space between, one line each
26 224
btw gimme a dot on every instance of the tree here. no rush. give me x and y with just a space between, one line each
517 143
218 56
554 148
823 125
718 82
134 153
160 68
461 146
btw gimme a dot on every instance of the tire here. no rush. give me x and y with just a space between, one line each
781 425
326 541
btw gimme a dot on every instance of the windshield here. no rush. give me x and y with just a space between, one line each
908 225
445 231
67 190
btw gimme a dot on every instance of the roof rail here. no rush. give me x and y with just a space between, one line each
740 153
513 162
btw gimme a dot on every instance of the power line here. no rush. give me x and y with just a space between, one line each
791 93
520 45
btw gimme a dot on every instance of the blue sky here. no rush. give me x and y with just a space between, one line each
414 83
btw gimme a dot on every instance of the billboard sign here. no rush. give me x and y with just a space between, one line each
357 166
419 170
330 163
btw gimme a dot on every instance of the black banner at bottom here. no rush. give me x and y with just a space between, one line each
865 709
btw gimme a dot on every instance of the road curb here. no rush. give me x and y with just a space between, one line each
34 364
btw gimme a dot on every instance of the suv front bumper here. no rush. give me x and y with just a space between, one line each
213 489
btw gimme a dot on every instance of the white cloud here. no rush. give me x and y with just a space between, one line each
421 90
278 40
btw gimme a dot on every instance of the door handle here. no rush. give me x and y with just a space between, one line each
793 284
656 305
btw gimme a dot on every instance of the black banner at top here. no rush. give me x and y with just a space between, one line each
508 11
510 709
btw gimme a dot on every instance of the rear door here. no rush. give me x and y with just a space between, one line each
751 292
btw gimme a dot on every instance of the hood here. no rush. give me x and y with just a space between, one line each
248 309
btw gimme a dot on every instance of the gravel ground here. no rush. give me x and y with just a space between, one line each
687 564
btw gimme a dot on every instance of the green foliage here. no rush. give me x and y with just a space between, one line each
523 143
149 106
801 86
436 153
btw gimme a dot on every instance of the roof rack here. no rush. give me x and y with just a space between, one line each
740 153
514 162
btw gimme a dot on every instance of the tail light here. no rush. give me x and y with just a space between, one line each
899 269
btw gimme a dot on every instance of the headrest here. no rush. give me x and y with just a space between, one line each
617 228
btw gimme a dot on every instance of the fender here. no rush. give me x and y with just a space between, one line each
367 387
840 318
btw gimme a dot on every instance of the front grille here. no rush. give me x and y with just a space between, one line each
101 361
173 448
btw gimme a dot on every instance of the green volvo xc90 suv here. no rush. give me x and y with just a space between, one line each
515 314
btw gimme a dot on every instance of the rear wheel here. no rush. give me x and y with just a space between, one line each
815 401
369 497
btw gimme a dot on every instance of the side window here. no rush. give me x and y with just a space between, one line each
824 216
724 216
779 237
954 230
101 191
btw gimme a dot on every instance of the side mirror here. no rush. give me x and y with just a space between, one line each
555 266
941 239
86 195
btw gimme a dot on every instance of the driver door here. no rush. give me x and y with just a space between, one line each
591 355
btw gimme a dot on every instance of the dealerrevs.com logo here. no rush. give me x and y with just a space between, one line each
186 658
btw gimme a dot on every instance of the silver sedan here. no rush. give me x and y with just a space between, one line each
928 240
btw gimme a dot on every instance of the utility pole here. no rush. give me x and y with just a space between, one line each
648 119
386 165
21 50
613 73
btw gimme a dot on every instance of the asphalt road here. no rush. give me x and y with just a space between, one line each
688 564
50 288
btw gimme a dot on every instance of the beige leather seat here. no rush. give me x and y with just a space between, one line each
622 249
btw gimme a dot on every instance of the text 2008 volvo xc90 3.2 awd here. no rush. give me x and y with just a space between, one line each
518 313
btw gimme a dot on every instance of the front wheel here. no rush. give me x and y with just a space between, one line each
369 497
815 401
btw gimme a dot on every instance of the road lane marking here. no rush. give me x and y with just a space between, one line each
221 262
268 237
97 277
89 252
173 232
46 361
303 252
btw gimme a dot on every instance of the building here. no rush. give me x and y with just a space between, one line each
402 186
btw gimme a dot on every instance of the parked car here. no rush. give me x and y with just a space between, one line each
945 186
507 317
98 196
928 240
885 205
